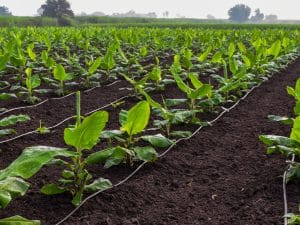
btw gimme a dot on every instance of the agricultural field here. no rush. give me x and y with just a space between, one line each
143 125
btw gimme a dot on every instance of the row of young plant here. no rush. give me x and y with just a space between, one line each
35 60
237 60
128 144
288 146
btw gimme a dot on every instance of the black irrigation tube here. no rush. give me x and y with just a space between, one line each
162 154
60 98
65 120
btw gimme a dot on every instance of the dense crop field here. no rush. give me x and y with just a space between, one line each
82 110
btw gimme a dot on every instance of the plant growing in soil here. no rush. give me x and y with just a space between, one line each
60 74
194 94
31 82
169 117
83 137
288 146
133 123
93 66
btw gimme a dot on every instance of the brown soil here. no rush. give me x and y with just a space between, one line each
220 176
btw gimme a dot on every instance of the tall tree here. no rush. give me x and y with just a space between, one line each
56 8
258 16
239 13
4 11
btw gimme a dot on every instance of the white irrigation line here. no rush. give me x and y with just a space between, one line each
60 98
65 120
160 156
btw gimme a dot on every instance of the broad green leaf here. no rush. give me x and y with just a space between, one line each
99 184
290 91
18 220
100 156
5 198
35 81
6 96
147 154
109 134
176 67
231 49
10 188
205 54
181 116
117 157
295 135
247 61
282 119
195 81
297 108
182 86
32 160
86 135
59 73
283 150
143 51
93 68
175 102
52 189
201 92
149 99
5 132
123 117
157 140
138 118
233 66
275 49
30 52
155 74
4 60
279 140
242 47
180 134
186 59
13 119
217 57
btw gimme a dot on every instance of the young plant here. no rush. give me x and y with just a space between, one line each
169 116
47 60
93 66
288 146
60 74
133 123
198 91
31 82
83 137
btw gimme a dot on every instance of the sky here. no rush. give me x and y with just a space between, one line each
284 9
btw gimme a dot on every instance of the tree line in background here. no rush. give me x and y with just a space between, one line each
241 13
61 9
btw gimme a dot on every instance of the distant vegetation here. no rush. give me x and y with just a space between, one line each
59 13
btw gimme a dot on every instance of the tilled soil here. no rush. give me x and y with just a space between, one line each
220 176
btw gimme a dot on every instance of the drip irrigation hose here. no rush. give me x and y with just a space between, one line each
59 98
160 156
65 120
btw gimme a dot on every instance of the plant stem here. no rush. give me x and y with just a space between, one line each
78 108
